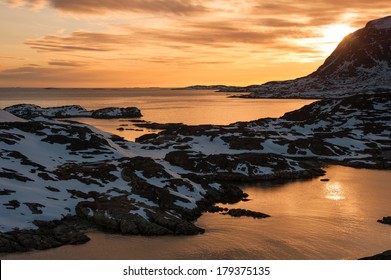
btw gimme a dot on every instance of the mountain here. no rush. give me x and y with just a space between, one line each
361 63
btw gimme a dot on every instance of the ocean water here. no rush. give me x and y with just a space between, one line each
309 219
156 104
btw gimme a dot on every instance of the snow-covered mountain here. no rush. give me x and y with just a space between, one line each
361 63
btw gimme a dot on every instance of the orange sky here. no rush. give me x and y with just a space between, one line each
142 43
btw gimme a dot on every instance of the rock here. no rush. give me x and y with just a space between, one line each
120 214
246 167
382 256
6 192
34 207
385 220
12 204
215 209
48 235
114 112
246 213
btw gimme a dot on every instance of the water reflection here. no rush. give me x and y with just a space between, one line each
334 191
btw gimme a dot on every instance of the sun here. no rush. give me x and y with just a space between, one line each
332 35
336 32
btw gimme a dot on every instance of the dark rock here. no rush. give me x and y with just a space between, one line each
246 213
52 189
382 256
48 235
12 204
6 192
111 113
114 214
215 209
34 207
12 174
385 220
100 172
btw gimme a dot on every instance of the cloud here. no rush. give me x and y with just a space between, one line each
34 4
77 41
183 37
12 58
178 7
66 63
322 12
53 76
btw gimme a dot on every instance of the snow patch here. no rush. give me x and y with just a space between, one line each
8 117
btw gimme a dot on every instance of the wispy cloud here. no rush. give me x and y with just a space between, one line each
35 4
66 63
53 76
12 58
77 41
179 7
184 36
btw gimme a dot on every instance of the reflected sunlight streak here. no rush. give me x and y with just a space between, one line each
334 191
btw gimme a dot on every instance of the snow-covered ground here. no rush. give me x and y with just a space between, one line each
50 169
8 117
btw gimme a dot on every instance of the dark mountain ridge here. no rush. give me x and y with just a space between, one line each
361 63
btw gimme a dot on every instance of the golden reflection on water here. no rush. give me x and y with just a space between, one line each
334 191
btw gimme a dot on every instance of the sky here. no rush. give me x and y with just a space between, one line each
167 43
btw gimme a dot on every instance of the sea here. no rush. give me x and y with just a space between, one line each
310 219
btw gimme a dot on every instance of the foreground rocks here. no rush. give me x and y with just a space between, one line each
49 235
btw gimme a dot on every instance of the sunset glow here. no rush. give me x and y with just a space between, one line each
332 35
170 43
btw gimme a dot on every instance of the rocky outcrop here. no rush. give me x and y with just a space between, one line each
246 167
29 111
49 235
246 213
113 112
122 215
